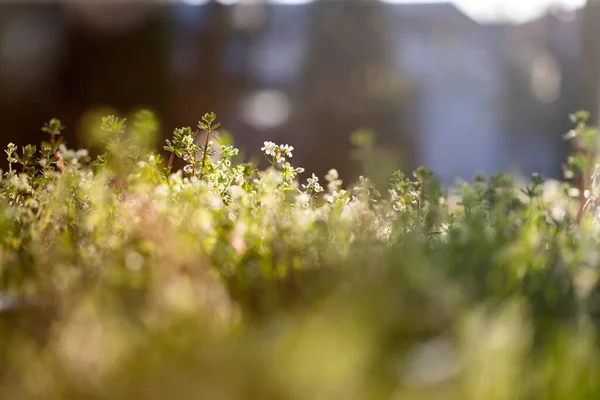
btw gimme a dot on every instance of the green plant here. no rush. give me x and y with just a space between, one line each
122 278
582 163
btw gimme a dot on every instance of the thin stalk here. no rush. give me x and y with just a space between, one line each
205 151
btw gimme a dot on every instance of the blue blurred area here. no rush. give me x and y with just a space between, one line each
436 87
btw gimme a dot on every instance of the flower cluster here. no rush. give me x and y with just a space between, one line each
277 153
312 185
337 195
333 181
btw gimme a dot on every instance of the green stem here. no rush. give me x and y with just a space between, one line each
220 163
204 156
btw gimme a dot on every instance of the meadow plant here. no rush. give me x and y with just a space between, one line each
124 277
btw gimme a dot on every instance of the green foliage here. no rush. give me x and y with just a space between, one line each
121 278
53 127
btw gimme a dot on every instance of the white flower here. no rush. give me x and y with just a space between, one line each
332 175
269 148
279 158
336 196
303 200
286 149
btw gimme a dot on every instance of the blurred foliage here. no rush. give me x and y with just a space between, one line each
122 279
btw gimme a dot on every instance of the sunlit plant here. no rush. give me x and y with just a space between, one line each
201 275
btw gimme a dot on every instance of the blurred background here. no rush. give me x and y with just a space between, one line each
461 86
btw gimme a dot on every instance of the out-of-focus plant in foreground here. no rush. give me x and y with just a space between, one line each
123 277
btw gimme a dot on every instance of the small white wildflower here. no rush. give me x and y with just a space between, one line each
269 148
313 184
286 149
332 175
335 196
303 200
